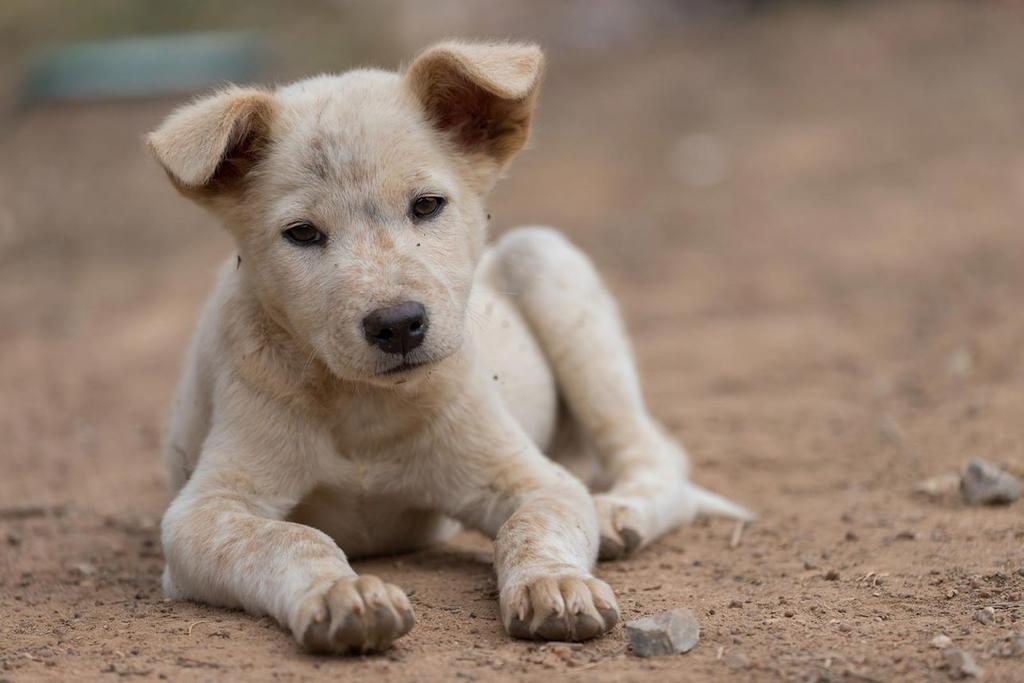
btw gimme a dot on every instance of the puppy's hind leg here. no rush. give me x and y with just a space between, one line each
578 324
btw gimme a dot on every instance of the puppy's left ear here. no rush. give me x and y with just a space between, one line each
481 95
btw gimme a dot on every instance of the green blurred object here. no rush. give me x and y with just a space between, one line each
144 67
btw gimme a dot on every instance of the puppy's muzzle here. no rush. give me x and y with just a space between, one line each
397 329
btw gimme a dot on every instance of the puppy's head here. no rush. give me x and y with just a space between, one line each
357 201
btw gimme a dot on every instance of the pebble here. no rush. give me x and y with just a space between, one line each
1013 647
672 632
737 660
961 664
985 616
935 487
84 568
983 483
942 642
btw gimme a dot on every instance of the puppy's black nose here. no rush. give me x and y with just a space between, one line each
397 329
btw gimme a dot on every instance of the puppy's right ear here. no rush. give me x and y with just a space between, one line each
209 145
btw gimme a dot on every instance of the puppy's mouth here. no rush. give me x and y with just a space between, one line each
404 366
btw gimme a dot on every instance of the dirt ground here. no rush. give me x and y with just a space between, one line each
813 220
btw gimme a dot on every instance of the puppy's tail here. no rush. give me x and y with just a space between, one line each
711 504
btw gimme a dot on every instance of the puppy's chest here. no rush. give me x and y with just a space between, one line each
372 455
360 475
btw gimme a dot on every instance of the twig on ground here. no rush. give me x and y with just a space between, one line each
737 534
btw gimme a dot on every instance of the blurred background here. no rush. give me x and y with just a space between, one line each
811 212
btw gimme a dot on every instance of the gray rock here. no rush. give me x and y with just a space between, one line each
1015 648
672 632
961 664
985 616
983 483
1012 646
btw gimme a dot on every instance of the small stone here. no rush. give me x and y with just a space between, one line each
935 487
961 664
13 539
942 642
672 632
832 575
736 661
1014 646
985 616
561 650
983 483
85 569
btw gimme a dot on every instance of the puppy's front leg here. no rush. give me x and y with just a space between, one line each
544 554
226 543
541 517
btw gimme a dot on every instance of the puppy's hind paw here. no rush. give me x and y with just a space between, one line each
559 608
621 526
354 615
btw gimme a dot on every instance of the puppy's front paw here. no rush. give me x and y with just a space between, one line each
559 608
361 614
621 524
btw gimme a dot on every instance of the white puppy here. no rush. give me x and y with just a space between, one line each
367 370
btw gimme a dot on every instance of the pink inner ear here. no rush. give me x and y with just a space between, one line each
467 112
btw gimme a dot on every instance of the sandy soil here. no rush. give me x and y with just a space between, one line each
813 220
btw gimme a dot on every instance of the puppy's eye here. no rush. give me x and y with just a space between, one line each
427 206
304 235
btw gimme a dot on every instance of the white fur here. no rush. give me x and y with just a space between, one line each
289 447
